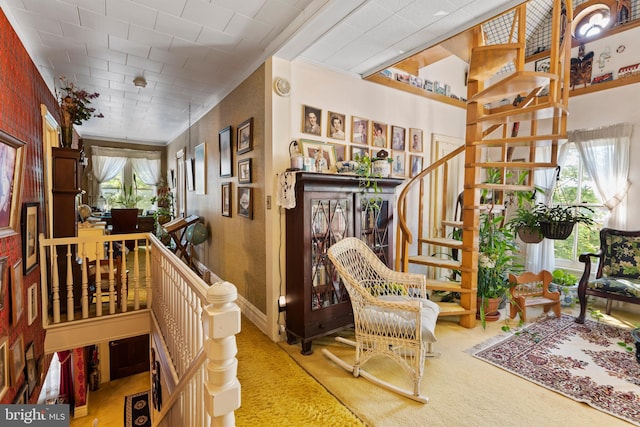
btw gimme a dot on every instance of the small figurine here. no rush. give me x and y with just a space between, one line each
321 162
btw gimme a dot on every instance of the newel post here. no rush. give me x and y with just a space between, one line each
221 321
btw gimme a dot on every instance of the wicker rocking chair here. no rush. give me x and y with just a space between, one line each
392 316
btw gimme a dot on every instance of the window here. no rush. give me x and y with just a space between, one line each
577 188
112 190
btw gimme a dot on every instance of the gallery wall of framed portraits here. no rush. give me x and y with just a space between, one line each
349 137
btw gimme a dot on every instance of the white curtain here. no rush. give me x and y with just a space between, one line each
105 168
605 153
148 170
541 256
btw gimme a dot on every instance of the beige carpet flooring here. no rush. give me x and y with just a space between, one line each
463 390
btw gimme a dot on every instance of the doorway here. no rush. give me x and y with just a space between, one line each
128 356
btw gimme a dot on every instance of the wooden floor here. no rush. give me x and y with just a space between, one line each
107 403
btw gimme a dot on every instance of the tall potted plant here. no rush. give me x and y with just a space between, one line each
497 257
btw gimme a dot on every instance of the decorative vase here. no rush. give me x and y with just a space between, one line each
568 293
381 168
66 136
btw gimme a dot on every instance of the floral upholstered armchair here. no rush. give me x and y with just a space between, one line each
618 273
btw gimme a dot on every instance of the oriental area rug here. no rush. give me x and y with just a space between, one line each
136 410
586 362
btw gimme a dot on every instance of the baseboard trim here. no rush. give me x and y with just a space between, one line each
250 311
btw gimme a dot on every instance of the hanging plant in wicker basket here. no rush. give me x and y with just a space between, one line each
557 222
557 230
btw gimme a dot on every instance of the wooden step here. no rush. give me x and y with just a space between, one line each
442 241
514 165
521 141
533 112
488 60
447 285
456 224
434 261
452 309
514 84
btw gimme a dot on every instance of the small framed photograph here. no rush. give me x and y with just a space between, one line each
226 199
335 128
4 279
32 303
416 165
543 65
224 138
359 152
415 140
398 168
11 166
311 148
190 181
30 235
32 369
4 366
379 135
16 359
200 168
311 120
397 138
244 139
341 151
17 299
360 130
245 202
244 171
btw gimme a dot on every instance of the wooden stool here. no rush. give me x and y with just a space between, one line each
529 289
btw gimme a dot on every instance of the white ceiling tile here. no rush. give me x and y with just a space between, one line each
108 55
206 14
85 35
275 10
128 11
367 17
99 6
394 28
174 56
54 10
115 67
172 7
104 24
144 63
38 22
103 74
177 27
248 28
246 7
395 5
88 61
332 42
215 38
144 36
127 46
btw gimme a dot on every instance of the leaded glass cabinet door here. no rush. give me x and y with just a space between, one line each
330 222
375 214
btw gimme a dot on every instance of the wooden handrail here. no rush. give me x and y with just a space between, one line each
404 235
195 366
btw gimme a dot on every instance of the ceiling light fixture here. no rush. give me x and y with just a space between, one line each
140 81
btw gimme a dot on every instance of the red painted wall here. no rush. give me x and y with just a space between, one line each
22 90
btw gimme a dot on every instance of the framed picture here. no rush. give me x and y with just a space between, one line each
3 279
311 120
21 395
379 135
357 152
244 171
226 199
11 167
224 137
311 148
190 182
30 235
32 369
341 151
416 165
360 130
397 138
244 139
32 303
17 302
543 65
398 167
200 168
335 128
16 359
4 366
415 140
245 202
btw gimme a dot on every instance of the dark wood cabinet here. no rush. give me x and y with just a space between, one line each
329 208
65 172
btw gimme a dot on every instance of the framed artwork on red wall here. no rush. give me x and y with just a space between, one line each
11 168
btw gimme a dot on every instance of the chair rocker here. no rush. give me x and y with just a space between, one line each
531 289
392 315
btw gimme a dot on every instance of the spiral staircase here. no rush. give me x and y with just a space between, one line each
538 107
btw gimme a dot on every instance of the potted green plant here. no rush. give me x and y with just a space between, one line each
567 284
164 213
497 257
526 224
127 198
